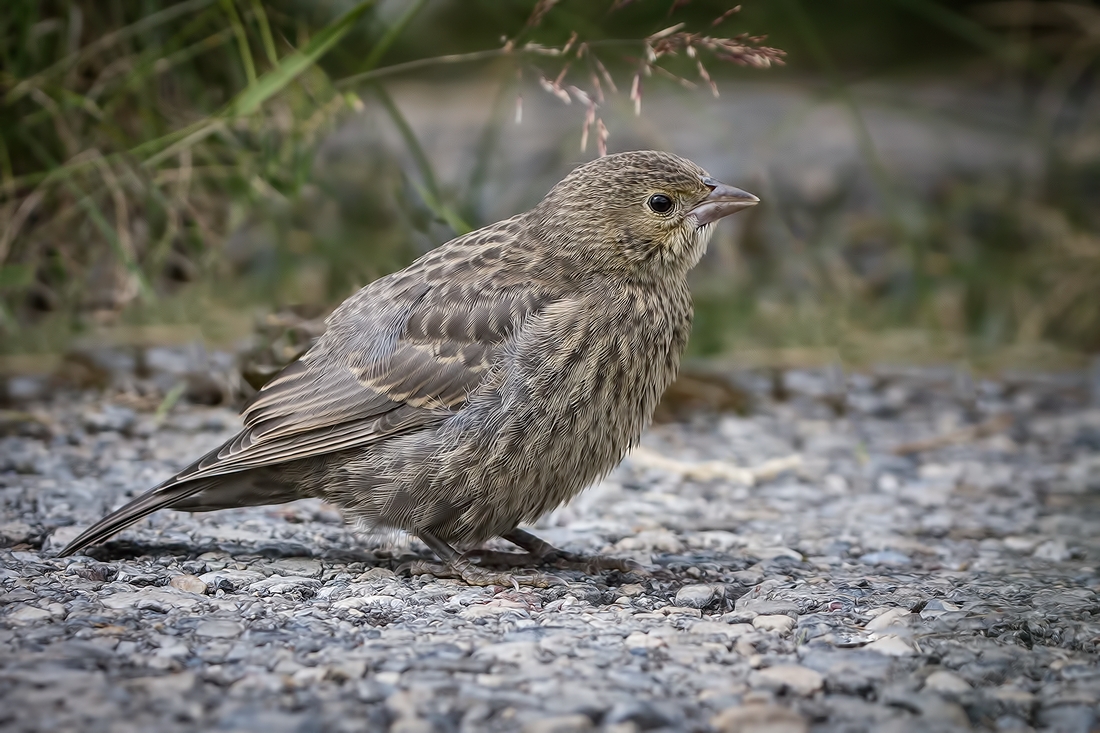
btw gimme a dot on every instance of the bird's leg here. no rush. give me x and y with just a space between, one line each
458 565
541 552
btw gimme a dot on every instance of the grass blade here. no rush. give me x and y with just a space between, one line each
430 191
290 67
242 40
265 32
391 35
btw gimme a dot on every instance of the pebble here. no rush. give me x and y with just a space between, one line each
284 584
892 646
27 615
1053 551
759 718
946 682
885 557
797 679
559 724
188 583
888 619
779 624
219 629
700 596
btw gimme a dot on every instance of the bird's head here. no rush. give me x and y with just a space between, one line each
649 211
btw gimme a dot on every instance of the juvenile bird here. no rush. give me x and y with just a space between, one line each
488 382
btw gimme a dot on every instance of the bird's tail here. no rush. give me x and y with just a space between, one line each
248 488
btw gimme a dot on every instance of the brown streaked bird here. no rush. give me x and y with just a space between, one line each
488 382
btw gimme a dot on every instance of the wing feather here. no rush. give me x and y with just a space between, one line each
395 358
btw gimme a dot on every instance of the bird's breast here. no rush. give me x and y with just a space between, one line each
579 385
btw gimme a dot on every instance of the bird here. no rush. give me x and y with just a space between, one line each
487 383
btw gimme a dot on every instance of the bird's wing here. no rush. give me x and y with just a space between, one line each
393 359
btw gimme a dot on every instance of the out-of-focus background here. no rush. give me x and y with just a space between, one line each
189 174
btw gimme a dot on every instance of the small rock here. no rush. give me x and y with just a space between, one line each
759 718
730 631
946 682
230 580
779 624
740 617
379 601
277 584
12 533
763 607
642 640
885 557
885 620
27 615
798 679
375 574
61 537
643 714
749 576
1052 551
219 629
936 608
1016 543
891 645
559 724
189 584
773 553
1070 717
110 418
700 596
297 567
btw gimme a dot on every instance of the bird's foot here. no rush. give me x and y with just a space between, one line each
473 574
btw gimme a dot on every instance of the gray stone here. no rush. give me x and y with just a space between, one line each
559 724
700 596
759 718
188 583
778 624
947 683
789 677
284 584
219 629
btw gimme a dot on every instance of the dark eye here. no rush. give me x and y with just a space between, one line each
660 203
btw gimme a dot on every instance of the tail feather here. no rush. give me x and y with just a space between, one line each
159 497
249 488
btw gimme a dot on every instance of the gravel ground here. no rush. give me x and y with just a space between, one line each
905 550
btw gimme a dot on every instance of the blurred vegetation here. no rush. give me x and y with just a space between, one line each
180 161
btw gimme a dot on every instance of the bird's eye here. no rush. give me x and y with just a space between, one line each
660 203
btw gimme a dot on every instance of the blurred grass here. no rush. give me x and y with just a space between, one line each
165 162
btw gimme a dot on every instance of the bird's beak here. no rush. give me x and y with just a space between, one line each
722 201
